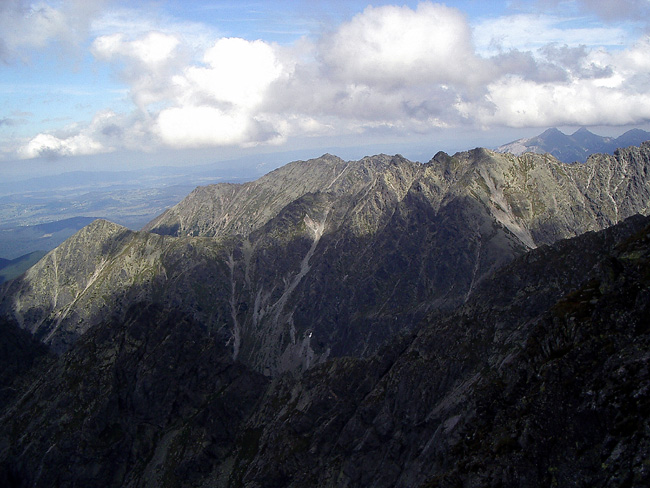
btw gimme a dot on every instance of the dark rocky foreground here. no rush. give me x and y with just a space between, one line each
541 379
538 389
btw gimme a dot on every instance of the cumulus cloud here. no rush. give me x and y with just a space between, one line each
388 68
148 63
194 126
601 88
49 146
106 132
140 21
398 45
153 50
217 103
522 103
236 71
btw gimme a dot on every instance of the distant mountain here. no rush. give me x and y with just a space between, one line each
16 241
12 268
576 147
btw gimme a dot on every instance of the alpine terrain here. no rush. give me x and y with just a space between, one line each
477 320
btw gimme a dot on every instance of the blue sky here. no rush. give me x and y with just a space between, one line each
113 84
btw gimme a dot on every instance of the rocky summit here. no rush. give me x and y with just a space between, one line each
477 320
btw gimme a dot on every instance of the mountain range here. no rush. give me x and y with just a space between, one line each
576 147
476 320
12 268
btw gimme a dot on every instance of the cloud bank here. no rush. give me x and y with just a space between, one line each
406 70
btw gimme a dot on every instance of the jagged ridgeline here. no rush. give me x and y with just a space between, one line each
326 258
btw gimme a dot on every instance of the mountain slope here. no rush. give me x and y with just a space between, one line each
576 147
146 401
484 395
544 386
327 258
230 209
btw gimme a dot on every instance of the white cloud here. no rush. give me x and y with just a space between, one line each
194 126
48 145
236 72
151 50
417 70
397 45
135 23
389 68
600 87
636 60
148 63
28 25
217 103
522 103
107 132
211 102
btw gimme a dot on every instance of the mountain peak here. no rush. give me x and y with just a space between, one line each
327 157
103 224
633 137
583 130
636 132
574 148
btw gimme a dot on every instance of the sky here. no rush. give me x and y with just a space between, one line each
116 84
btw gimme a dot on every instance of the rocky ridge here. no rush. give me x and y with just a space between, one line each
326 258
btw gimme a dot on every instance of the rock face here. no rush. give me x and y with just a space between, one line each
541 378
576 147
326 258
534 388
146 401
